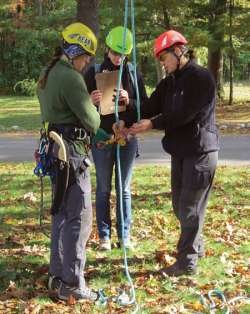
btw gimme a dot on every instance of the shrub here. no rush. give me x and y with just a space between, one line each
26 87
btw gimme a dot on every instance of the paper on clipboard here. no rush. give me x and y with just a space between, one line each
106 82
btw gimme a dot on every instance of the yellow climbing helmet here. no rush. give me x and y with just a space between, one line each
81 35
114 40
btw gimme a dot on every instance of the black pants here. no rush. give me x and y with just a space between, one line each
191 182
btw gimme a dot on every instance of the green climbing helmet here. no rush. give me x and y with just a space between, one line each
114 40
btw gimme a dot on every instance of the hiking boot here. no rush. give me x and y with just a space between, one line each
201 254
78 294
201 249
127 244
175 270
104 245
54 283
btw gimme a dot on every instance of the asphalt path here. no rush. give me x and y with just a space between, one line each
235 150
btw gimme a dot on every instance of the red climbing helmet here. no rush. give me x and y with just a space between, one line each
167 40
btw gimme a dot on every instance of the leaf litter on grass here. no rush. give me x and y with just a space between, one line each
155 232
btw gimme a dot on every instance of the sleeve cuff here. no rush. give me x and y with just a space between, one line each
157 122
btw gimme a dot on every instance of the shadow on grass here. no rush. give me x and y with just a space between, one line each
25 274
134 260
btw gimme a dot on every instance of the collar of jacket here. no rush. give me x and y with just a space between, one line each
108 65
64 59
180 72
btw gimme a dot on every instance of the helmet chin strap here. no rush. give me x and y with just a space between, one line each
178 57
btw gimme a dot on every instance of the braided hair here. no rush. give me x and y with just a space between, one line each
57 55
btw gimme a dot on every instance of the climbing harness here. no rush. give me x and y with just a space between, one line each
209 302
55 165
43 168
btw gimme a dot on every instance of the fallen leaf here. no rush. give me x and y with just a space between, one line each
71 300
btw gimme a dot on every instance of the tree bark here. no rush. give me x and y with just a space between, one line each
87 13
159 70
215 44
231 8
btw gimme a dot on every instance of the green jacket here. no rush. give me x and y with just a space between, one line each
65 99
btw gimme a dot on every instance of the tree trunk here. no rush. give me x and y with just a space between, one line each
159 70
215 66
231 8
215 45
87 13
40 7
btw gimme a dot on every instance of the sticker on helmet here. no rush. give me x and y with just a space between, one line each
81 38
164 42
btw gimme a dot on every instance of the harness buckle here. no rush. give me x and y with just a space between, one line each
80 134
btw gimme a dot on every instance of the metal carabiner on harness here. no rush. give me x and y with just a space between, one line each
41 157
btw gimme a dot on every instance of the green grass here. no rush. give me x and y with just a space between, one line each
24 250
23 112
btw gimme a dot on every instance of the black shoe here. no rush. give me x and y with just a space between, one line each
201 254
201 248
175 270
54 283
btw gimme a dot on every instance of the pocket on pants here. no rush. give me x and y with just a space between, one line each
78 172
201 178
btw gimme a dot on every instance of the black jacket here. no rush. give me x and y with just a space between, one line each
130 115
183 104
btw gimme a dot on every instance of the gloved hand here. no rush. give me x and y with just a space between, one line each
100 137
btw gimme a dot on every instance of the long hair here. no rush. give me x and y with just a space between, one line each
190 54
57 55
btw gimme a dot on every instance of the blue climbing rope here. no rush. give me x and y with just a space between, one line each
122 299
138 105
211 305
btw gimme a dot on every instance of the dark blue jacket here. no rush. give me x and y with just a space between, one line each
130 115
183 104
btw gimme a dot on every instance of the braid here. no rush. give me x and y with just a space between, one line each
57 55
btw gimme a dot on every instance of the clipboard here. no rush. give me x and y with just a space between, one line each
106 82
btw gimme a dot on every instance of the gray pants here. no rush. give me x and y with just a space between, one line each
191 182
71 227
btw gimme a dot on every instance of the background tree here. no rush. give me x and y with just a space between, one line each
27 38
231 51
87 13
216 42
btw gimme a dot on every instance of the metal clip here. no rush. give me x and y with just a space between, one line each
80 133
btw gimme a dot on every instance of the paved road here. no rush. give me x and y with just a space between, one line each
235 150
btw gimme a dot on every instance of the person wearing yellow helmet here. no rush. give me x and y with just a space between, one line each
68 110
106 155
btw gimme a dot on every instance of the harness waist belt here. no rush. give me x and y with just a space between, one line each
69 131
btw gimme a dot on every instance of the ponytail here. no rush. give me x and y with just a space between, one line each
190 54
57 55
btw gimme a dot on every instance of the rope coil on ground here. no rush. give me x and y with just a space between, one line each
210 304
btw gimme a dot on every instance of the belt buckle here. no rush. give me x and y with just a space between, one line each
80 134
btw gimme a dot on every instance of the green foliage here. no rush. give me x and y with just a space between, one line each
32 51
26 87
27 42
